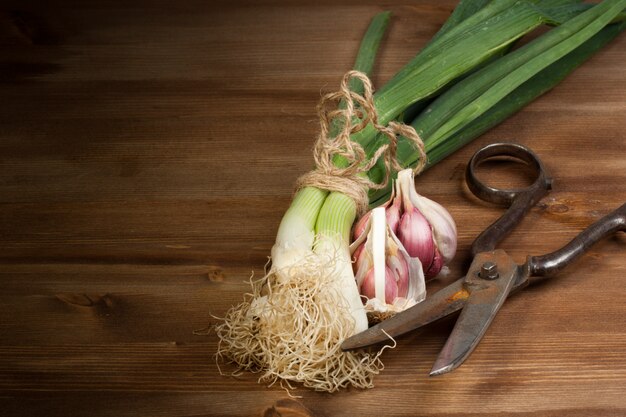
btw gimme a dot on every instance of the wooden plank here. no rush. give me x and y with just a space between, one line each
155 303
129 329
231 231
118 164
147 152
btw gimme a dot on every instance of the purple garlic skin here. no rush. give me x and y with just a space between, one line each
443 226
368 288
424 227
392 213
398 265
416 235
436 266
360 225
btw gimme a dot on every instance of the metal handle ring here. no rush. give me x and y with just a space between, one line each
505 196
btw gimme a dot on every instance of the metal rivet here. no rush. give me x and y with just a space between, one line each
488 270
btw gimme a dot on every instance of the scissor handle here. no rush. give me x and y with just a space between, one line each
518 200
553 262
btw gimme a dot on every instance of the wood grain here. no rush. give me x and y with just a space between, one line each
147 152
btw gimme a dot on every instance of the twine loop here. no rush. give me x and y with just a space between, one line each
347 112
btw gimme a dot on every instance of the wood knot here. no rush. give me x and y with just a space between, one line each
216 275
557 208
553 206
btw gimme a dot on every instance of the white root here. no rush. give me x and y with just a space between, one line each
290 329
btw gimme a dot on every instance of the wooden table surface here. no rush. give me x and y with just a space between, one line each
147 152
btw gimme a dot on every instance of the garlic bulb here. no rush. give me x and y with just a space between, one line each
400 244
388 278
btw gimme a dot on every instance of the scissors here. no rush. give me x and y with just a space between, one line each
493 275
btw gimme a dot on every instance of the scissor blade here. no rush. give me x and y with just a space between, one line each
486 298
444 302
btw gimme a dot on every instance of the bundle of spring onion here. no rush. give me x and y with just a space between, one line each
465 81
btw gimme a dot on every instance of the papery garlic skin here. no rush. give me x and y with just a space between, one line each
356 255
387 277
398 265
441 222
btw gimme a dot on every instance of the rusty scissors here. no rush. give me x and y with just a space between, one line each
493 275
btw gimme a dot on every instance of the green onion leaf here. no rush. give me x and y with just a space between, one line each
493 93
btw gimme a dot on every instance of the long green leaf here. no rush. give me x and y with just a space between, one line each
455 53
366 57
569 36
559 11
461 12
464 10
539 78
450 104
541 83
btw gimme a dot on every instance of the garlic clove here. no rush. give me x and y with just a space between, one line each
368 289
393 214
416 236
360 226
392 211
443 226
368 286
435 267
398 264
391 285
417 282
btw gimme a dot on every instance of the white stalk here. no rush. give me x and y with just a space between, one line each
296 233
333 228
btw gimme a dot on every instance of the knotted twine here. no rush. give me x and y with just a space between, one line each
351 112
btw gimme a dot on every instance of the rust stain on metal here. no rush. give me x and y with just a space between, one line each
462 294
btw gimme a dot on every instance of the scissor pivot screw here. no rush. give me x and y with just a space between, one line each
488 270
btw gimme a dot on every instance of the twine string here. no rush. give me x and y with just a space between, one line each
349 112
